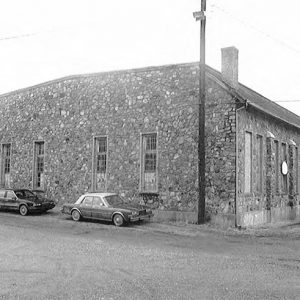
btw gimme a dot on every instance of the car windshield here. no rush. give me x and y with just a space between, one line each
114 199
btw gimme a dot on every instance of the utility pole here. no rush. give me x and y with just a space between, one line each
199 15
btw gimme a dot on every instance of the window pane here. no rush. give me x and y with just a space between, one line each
10 194
97 202
151 142
101 145
283 177
87 201
276 167
39 165
297 171
149 157
150 162
248 162
259 149
101 163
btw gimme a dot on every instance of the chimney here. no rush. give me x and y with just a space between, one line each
230 66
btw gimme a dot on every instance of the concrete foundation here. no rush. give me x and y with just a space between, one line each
277 214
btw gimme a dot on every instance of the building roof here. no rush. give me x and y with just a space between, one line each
256 100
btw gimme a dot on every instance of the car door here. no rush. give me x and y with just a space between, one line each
98 209
11 200
107 210
86 206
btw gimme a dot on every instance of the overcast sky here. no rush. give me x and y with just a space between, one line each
41 40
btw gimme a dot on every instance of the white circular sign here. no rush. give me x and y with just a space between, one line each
284 168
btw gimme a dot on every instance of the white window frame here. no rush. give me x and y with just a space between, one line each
95 163
36 157
143 136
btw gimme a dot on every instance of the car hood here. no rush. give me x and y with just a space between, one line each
130 206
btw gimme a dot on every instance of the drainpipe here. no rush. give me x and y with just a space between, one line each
236 160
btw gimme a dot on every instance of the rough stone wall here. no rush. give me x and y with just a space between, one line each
272 194
220 150
68 113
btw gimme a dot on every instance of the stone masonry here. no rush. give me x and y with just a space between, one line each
275 135
66 114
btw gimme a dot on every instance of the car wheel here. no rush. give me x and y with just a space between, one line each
75 215
118 220
23 210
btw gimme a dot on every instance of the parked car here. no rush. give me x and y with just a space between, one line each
106 207
41 195
24 201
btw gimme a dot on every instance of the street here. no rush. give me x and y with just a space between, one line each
49 256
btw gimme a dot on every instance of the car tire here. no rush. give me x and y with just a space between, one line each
118 220
23 210
76 215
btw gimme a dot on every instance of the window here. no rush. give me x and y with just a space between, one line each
5 174
97 202
87 201
10 195
149 163
284 185
39 161
297 171
248 163
276 162
100 160
259 162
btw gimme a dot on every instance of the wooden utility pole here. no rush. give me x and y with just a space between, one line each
201 139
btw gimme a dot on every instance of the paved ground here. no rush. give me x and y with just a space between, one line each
52 257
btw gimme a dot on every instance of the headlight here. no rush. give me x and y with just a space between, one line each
37 204
135 213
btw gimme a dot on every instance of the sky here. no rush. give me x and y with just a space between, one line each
46 40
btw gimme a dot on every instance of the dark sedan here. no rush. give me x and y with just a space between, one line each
106 207
24 201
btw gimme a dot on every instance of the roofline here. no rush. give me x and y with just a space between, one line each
267 99
88 75
210 70
273 116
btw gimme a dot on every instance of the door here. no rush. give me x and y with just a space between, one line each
86 207
11 200
98 209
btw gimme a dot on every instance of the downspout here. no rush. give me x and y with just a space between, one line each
237 161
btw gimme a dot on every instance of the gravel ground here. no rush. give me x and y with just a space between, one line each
51 257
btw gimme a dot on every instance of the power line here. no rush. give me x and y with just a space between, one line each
18 36
254 28
287 101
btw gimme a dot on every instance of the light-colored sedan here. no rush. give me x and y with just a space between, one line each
106 207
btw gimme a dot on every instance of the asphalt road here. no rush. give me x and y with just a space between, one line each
52 257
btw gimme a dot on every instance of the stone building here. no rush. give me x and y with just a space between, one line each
136 132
